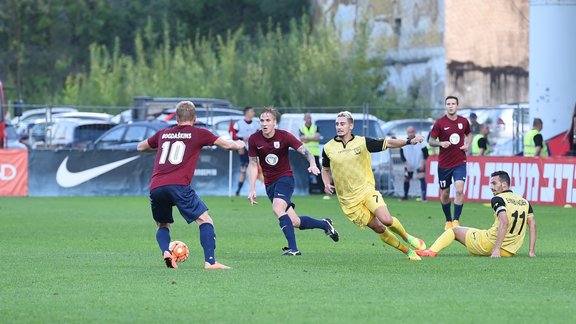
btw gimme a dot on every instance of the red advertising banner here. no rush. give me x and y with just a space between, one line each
548 181
13 172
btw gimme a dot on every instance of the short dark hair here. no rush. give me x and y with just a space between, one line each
537 121
247 108
452 97
503 175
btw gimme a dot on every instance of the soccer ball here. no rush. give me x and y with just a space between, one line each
179 251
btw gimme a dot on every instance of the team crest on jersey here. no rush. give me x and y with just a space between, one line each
356 150
276 144
271 159
460 126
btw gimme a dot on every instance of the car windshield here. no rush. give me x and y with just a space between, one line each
90 132
327 129
11 132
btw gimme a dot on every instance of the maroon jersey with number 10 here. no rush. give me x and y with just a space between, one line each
177 156
273 153
453 131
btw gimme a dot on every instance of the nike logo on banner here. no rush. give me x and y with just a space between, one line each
67 179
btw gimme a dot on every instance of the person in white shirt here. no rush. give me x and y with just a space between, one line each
244 129
414 159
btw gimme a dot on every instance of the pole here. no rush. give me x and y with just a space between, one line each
230 174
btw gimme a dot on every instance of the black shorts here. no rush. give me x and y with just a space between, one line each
282 188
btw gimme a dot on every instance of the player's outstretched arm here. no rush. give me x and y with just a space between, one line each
397 143
144 147
328 187
313 168
252 176
502 228
229 145
532 226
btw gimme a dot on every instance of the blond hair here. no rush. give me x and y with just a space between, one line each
347 115
185 111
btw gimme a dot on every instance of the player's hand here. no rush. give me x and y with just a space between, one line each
495 254
252 198
241 145
532 254
329 189
417 139
464 147
314 170
444 144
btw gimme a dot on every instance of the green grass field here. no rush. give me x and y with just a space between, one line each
96 260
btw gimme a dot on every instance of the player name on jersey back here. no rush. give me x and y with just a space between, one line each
176 136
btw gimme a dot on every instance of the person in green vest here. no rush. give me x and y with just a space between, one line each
534 144
310 136
480 141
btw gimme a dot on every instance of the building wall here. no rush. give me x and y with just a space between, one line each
475 49
409 32
487 51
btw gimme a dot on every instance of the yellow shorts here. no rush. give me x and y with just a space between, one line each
477 243
363 213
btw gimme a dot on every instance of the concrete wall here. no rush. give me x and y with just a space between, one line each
409 32
475 49
487 51
553 63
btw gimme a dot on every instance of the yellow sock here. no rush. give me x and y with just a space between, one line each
397 228
443 241
390 239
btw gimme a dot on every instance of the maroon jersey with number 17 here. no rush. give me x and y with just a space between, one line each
273 153
453 131
177 156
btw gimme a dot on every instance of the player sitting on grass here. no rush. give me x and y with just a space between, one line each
505 237
269 147
174 167
347 158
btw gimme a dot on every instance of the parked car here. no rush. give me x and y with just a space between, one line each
220 125
127 136
397 128
13 140
204 114
371 127
85 115
73 133
146 108
21 123
508 124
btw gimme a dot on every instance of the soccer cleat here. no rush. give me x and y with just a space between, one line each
416 243
413 256
169 260
289 252
448 225
331 230
215 266
427 253
455 223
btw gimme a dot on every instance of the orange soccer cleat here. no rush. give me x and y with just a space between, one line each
215 266
426 253
169 260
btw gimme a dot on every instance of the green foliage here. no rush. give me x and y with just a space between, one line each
95 260
303 67
44 41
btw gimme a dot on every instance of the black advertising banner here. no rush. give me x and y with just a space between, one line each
127 173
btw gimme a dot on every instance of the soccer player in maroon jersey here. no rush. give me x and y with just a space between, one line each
452 134
176 159
269 147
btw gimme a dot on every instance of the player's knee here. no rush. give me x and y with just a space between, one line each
166 225
459 192
204 218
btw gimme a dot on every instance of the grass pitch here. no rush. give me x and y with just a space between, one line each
96 260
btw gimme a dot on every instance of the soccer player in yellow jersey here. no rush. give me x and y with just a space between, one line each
347 158
511 215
